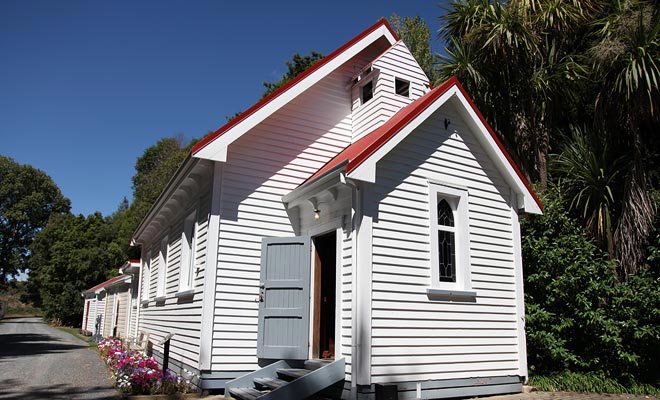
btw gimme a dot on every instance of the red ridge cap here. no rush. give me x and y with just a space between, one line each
359 151
398 122
266 100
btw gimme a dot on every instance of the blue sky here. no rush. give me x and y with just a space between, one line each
87 86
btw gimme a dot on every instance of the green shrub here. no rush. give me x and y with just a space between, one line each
579 316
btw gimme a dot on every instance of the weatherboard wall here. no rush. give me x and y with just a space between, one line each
176 312
100 311
396 62
123 310
132 331
108 313
415 338
262 166
89 314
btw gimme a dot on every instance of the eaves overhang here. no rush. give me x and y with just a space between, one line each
192 175
214 146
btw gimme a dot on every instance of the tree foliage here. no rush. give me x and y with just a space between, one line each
295 66
592 180
579 316
74 253
625 58
153 170
518 61
416 35
28 197
71 254
561 64
155 167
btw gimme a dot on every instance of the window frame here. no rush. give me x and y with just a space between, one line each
457 198
146 278
373 91
396 91
188 252
162 268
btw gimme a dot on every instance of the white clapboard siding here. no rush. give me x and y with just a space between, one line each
100 311
415 338
266 163
396 62
86 305
108 314
123 308
93 312
182 318
346 285
133 312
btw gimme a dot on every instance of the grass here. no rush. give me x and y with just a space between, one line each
590 382
22 311
75 332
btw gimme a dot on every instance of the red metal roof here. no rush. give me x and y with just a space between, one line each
266 100
356 153
106 283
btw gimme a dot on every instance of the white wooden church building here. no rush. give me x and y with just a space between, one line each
356 216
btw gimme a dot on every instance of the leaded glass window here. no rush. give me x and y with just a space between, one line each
446 243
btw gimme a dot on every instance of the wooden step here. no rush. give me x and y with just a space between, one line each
290 374
245 393
268 383
317 363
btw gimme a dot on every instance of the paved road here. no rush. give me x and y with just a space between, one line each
40 362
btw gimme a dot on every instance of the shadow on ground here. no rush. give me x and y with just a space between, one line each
9 390
14 319
27 344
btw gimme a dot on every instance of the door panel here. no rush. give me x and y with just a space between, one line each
284 299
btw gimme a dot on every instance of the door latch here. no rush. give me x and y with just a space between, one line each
262 291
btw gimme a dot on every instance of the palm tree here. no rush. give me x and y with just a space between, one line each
626 61
517 60
592 177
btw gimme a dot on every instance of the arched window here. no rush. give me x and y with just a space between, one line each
449 240
446 243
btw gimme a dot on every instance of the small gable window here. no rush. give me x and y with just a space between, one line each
367 91
402 87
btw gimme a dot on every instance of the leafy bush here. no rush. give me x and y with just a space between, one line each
580 317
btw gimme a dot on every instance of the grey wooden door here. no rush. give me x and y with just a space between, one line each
284 299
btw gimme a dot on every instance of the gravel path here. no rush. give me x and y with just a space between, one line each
568 396
40 362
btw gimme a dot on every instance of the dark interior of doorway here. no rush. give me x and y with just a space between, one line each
325 262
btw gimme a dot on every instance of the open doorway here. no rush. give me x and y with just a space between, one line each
325 262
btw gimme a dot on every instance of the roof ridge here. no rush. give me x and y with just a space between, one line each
284 88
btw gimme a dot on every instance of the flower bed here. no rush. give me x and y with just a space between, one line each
137 374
